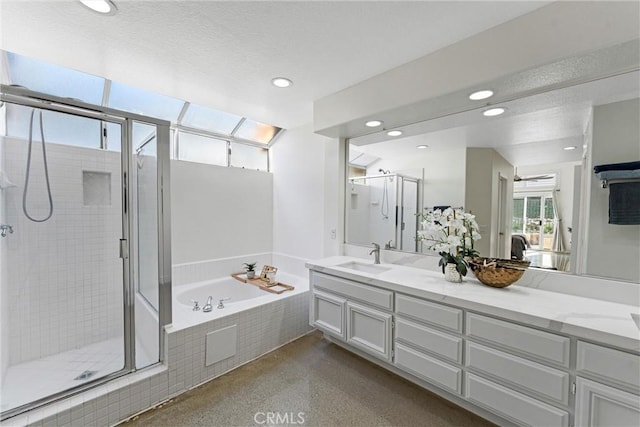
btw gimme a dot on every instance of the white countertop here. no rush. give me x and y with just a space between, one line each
595 320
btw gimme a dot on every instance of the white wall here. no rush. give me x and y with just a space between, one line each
305 194
219 212
484 167
64 276
613 250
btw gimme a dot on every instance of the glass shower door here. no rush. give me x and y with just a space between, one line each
62 276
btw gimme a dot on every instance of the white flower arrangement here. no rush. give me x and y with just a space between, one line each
452 233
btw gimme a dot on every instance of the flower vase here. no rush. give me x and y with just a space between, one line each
451 274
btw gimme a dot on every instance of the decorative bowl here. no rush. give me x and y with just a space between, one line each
496 272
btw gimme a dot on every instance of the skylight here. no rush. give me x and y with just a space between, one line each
256 131
209 119
140 101
39 76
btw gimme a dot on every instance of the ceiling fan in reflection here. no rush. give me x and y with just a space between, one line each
518 178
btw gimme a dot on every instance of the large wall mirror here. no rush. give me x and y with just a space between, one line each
526 174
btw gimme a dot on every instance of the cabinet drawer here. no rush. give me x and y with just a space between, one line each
610 364
549 382
328 313
430 369
436 314
429 340
369 294
513 405
543 345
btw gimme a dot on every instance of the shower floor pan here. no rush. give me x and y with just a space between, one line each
36 379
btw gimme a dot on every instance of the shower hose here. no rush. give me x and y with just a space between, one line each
28 172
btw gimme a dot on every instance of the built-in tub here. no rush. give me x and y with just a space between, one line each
241 296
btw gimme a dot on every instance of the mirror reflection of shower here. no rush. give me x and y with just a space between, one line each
384 205
382 208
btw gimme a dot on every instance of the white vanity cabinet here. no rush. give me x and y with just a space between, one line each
518 372
600 405
328 313
428 342
601 401
504 370
358 314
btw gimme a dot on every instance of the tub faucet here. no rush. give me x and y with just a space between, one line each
208 307
376 251
221 302
4 228
196 307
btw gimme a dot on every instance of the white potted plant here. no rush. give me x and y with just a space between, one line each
451 232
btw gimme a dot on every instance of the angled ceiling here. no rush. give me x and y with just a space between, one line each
223 54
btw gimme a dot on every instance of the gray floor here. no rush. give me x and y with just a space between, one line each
327 385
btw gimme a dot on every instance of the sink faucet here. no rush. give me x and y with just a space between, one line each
376 251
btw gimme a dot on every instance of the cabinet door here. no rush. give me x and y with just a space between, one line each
327 313
369 330
601 405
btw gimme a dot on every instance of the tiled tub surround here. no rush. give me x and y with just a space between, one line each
514 355
260 329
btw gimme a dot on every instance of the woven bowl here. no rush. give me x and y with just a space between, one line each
498 273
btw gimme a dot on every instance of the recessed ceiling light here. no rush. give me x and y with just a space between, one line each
570 147
373 123
422 147
493 111
105 7
481 94
394 133
281 82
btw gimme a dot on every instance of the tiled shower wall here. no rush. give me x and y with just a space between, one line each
63 277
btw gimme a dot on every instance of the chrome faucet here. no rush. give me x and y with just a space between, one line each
208 307
376 251
221 302
4 228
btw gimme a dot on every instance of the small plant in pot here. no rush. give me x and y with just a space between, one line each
250 268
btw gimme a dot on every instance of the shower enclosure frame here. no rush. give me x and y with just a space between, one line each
398 211
24 97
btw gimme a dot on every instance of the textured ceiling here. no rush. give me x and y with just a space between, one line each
224 54
533 131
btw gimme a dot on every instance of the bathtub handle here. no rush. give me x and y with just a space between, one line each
221 302
196 307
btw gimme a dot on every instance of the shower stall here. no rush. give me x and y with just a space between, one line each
85 267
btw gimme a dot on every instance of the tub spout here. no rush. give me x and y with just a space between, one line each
208 307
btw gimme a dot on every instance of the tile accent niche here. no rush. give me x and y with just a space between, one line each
96 188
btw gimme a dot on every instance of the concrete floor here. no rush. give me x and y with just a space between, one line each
326 384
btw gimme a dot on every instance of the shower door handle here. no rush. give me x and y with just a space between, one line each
124 249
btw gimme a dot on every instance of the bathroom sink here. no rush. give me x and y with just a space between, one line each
365 268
